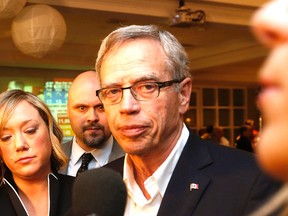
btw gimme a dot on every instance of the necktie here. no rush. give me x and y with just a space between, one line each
86 158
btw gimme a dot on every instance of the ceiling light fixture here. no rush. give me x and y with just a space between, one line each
10 8
185 17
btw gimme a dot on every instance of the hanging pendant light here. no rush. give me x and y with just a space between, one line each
38 30
10 8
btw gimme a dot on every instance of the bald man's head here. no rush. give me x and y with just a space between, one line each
88 78
86 112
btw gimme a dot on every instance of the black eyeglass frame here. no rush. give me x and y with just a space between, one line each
159 84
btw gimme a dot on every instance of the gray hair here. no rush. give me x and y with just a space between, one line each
177 60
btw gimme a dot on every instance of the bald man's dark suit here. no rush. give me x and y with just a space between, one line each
213 180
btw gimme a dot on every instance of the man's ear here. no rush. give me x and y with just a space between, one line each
185 94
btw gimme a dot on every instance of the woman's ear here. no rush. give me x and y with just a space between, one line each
185 94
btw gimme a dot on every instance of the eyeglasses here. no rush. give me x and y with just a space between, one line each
141 91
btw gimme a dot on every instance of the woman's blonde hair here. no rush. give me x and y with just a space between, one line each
8 103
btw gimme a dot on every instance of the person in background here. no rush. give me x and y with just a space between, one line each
88 121
255 132
251 123
218 134
201 132
208 133
270 25
30 156
146 86
215 134
245 138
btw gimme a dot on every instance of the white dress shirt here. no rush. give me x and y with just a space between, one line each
101 156
155 185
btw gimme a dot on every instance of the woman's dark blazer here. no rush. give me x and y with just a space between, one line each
60 196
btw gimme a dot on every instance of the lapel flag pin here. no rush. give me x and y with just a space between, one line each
194 186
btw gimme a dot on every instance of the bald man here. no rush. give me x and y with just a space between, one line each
90 126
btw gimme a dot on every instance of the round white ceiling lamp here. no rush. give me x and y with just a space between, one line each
10 8
38 30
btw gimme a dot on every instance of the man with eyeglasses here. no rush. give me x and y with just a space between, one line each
168 170
141 91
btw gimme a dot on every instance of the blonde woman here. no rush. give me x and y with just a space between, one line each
30 157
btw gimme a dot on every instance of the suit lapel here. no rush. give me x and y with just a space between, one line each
187 183
53 194
116 152
67 149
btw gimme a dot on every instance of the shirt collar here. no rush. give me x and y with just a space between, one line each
163 174
100 155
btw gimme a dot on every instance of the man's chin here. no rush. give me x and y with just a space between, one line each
95 143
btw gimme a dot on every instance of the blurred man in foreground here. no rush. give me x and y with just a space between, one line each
270 25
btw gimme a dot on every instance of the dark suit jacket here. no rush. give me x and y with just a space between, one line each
116 152
60 197
225 181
